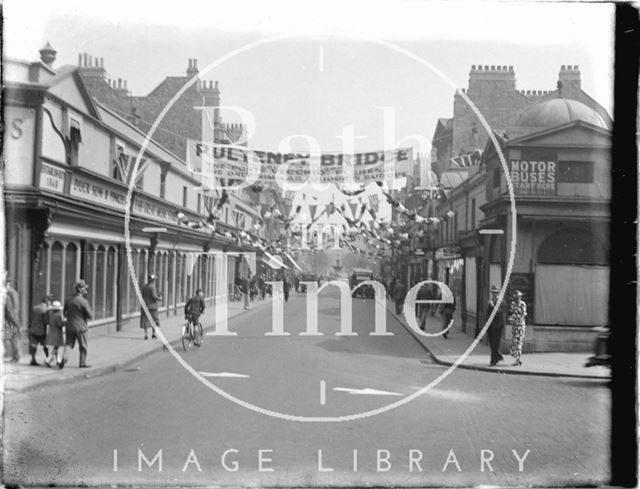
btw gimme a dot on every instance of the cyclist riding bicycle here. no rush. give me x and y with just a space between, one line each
194 307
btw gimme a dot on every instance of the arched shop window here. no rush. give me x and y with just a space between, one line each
170 278
573 247
56 285
89 273
70 269
98 292
42 276
179 278
109 292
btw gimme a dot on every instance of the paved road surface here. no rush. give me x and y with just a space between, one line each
68 434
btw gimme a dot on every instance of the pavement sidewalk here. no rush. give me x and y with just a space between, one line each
107 353
447 351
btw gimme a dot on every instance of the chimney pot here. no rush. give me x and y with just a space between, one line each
84 61
510 68
119 82
473 67
576 67
101 62
79 59
216 83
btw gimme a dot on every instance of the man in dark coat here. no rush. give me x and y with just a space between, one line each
494 332
12 326
38 328
447 310
285 287
152 299
77 312
399 294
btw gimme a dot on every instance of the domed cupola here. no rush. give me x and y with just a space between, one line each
558 111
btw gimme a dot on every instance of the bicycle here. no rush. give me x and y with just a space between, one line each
236 294
192 334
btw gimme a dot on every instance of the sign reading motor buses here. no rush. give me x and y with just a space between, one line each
531 177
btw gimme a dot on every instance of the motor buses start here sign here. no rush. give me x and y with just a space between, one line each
533 177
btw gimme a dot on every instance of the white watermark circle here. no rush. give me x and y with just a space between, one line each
321 419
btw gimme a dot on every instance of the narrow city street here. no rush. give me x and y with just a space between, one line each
105 430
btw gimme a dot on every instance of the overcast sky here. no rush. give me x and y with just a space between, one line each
332 72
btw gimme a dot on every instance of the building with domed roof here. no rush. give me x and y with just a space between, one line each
554 235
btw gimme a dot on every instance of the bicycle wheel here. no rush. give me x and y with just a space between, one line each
186 338
197 334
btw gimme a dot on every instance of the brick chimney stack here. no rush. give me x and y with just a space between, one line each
91 67
570 78
192 69
120 87
211 93
48 55
490 78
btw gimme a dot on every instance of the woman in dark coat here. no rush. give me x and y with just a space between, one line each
55 336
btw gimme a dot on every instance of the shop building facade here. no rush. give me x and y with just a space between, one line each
558 155
67 165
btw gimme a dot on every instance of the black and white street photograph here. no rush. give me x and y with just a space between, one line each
317 244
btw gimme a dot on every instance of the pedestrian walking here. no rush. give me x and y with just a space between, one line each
285 287
245 288
38 328
517 317
12 327
399 294
494 332
77 311
55 335
447 310
151 299
262 287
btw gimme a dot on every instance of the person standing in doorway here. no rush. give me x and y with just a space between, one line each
151 299
38 328
78 312
494 332
517 318
11 334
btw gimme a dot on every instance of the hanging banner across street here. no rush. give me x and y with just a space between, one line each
238 163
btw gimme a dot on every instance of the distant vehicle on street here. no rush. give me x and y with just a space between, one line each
308 277
359 275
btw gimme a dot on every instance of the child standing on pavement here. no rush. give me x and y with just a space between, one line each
55 337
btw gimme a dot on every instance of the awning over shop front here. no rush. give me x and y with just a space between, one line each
275 262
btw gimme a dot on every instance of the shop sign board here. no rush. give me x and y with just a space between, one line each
447 254
534 173
52 178
97 192
101 193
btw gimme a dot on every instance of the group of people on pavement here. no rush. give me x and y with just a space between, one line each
51 326
516 317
